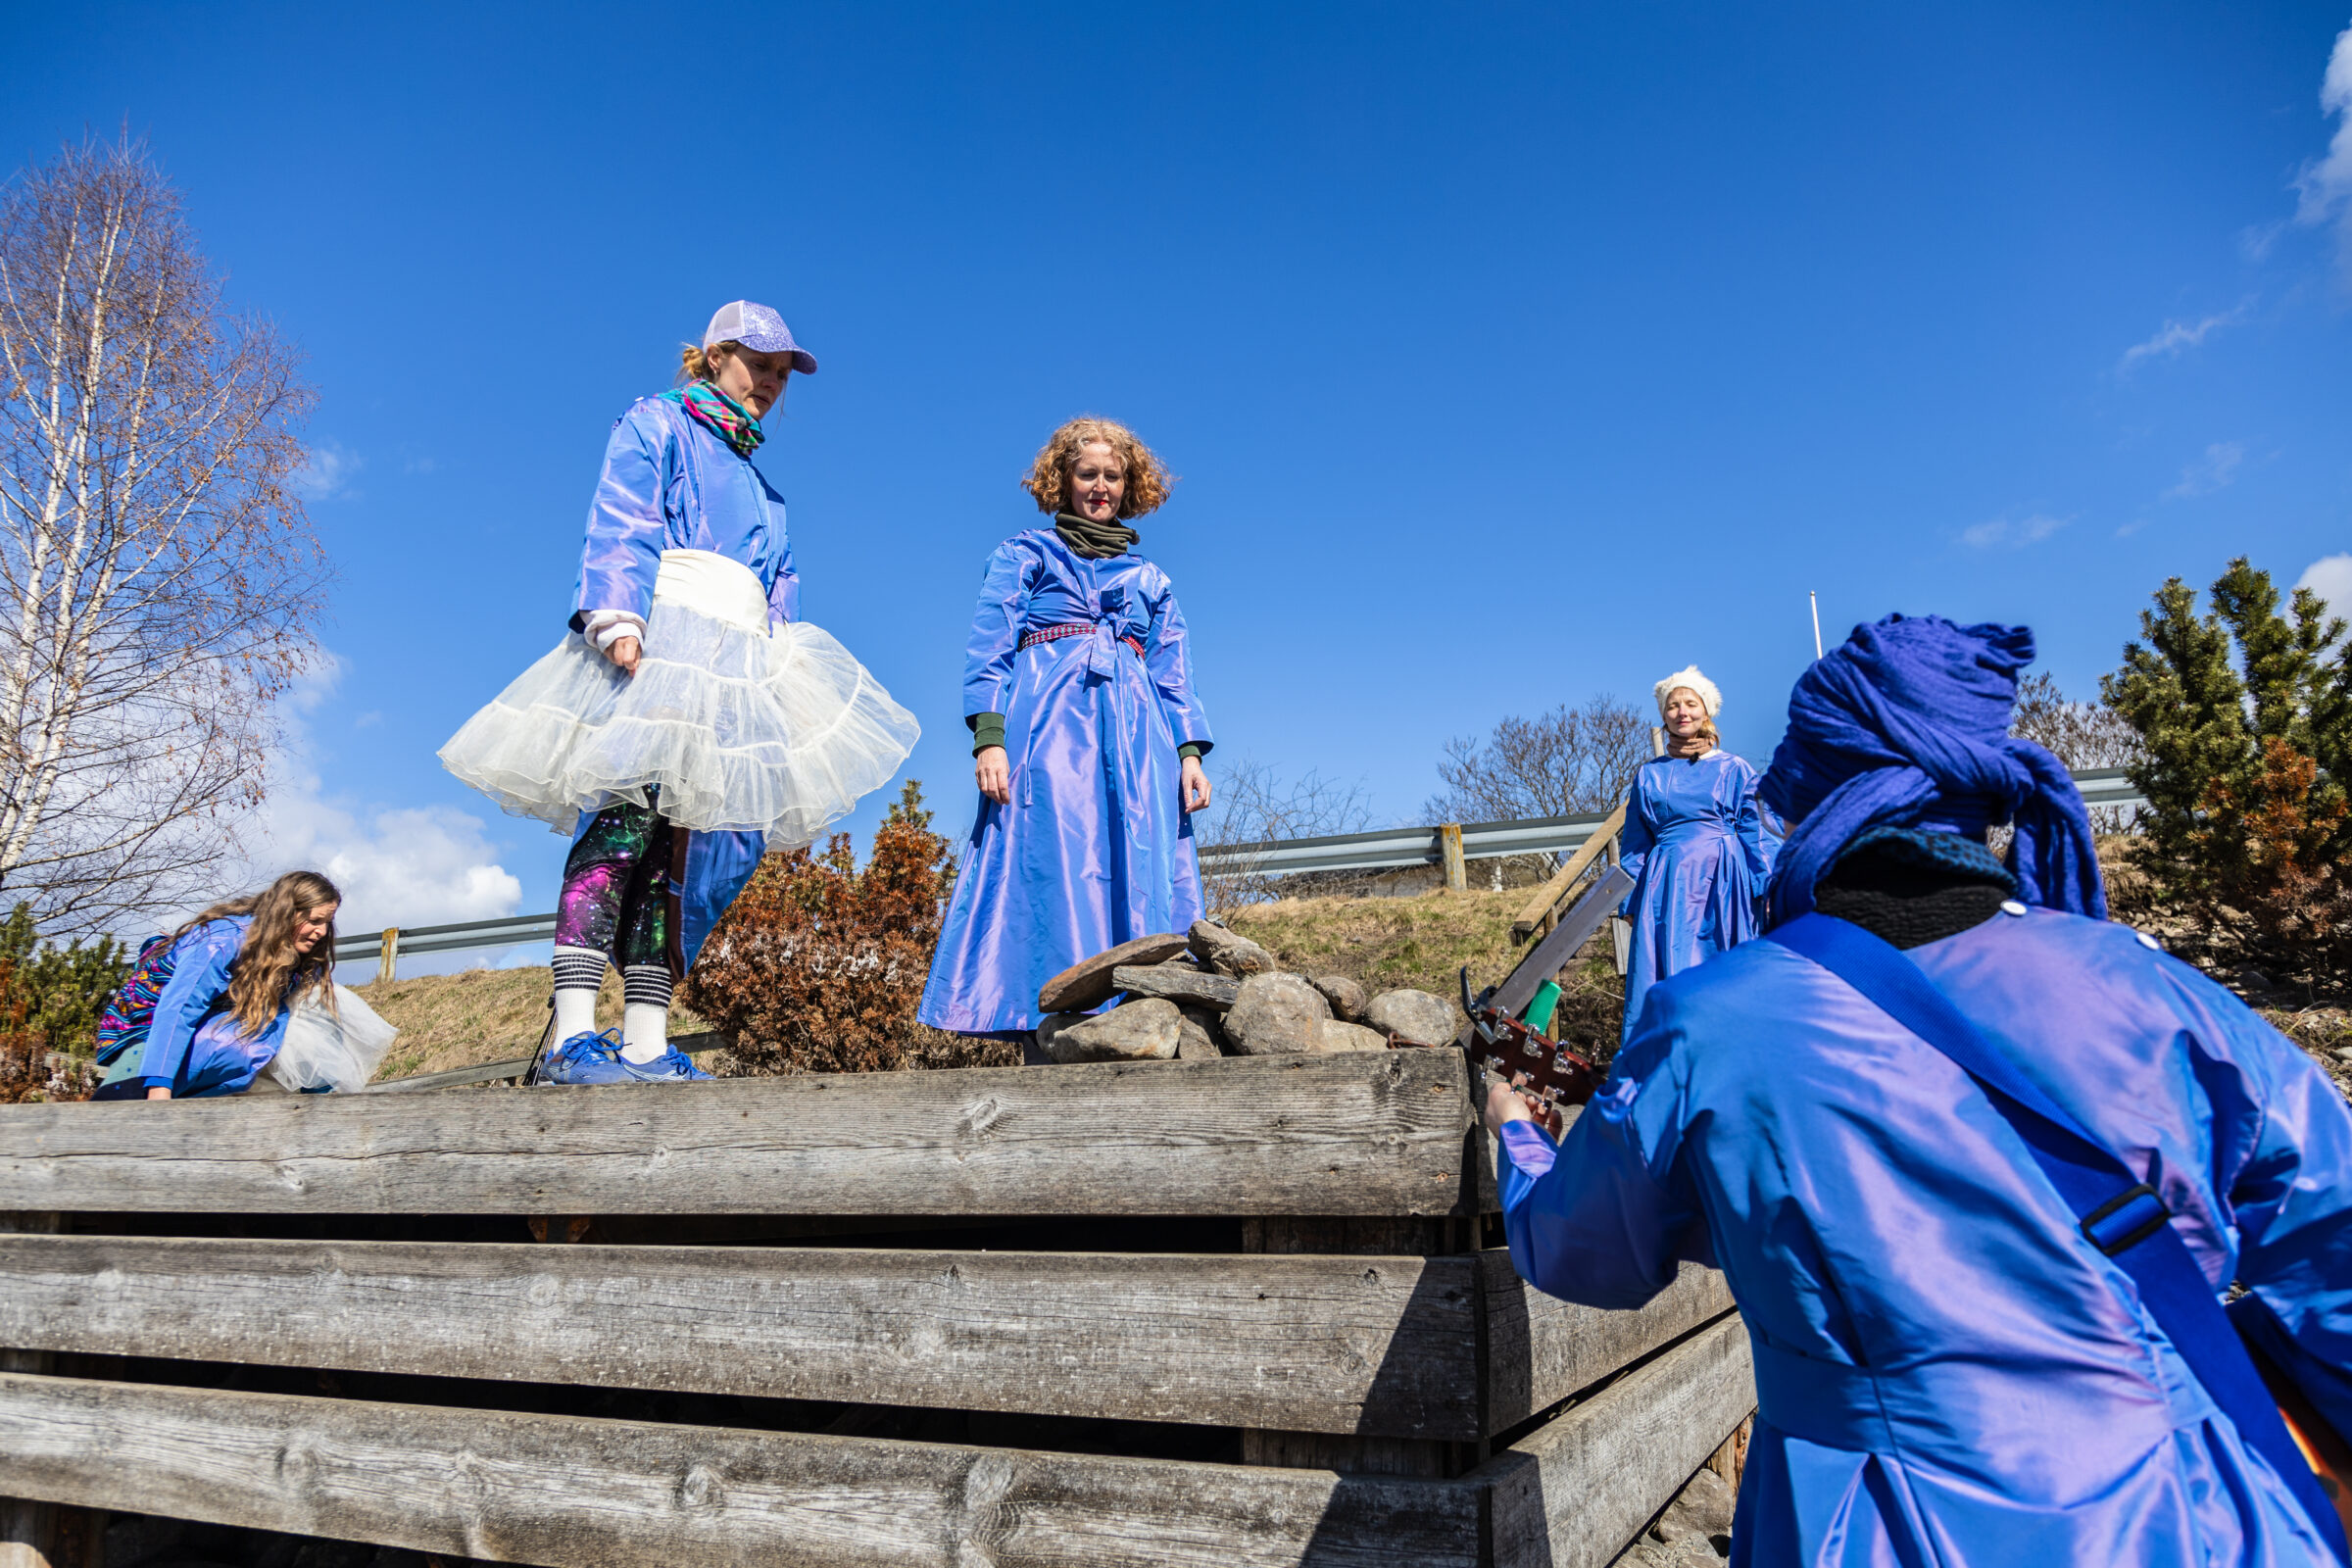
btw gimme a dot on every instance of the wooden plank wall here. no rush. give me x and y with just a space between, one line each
1358 1132
563 1491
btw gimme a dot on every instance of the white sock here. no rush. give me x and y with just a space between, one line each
575 1013
579 973
645 1025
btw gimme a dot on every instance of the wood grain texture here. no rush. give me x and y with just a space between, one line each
1540 1349
1574 1492
1358 1133
1346 1345
563 1491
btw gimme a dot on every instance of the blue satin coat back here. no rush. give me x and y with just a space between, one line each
670 484
1695 845
1947 1372
1095 847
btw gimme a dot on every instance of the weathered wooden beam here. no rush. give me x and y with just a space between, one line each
1555 888
1346 1345
1358 1133
563 1491
1540 1349
1575 1492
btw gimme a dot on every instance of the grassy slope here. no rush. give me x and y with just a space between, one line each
478 1015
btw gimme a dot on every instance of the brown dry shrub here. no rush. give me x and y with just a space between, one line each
818 966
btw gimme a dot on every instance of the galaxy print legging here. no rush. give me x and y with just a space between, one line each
616 887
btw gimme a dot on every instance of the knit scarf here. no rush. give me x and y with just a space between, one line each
1095 541
727 418
1907 725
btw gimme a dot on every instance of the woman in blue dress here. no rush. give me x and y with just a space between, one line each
1953 1367
1087 739
1694 844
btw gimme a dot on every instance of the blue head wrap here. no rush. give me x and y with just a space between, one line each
1907 725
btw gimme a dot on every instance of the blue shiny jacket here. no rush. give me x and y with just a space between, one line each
670 484
1947 1372
194 1046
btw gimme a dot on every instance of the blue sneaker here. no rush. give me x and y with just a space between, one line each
585 1059
673 1066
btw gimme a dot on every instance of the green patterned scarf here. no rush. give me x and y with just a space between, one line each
730 420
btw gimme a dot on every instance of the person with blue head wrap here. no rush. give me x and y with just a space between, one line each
1953 1367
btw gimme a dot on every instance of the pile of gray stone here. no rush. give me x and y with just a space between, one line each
1209 991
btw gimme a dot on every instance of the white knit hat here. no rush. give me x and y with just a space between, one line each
1689 679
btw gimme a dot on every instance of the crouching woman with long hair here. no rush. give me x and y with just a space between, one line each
235 973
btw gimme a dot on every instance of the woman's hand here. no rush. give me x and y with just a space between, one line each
1506 1104
993 772
623 653
1193 788
160 1091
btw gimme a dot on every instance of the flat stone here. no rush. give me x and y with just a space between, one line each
1702 1508
1414 1017
1088 984
1198 1039
1134 1031
1346 997
1331 1034
1276 1015
1228 954
1176 982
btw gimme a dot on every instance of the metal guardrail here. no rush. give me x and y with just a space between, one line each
1385 849
1422 846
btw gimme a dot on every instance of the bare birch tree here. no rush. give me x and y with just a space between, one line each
159 581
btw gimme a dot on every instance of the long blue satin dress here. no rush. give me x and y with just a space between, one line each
1095 847
1698 853
1947 1371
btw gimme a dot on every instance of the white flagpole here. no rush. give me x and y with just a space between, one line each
1815 600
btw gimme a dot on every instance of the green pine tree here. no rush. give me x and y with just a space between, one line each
2246 715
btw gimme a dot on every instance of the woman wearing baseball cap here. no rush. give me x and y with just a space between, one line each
689 721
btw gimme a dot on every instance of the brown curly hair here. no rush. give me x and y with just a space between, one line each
267 973
1148 479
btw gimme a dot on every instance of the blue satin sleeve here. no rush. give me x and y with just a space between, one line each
1168 656
1634 843
2293 1195
1602 1222
627 523
784 597
199 975
995 629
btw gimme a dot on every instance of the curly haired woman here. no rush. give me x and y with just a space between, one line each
1087 742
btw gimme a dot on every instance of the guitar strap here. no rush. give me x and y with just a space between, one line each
2119 1213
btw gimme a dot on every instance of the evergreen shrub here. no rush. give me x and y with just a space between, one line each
2245 717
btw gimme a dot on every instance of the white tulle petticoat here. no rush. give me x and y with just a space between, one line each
743 728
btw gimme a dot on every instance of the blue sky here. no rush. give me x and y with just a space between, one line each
1508 354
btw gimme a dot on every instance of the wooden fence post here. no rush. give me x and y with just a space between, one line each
389 959
1449 850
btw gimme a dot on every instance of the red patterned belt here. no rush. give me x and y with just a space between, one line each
1070 628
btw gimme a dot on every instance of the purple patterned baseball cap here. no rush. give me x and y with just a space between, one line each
755 327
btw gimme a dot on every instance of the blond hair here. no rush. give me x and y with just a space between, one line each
1148 481
267 973
698 364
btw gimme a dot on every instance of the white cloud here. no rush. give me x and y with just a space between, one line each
2330 577
397 865
327 474
2210 473
2015 533
2174 336
2324 190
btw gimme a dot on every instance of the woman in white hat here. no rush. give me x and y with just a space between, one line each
1696 844
690 720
